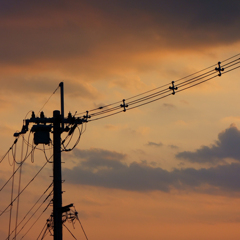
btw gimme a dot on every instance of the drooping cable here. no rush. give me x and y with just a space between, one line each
23 189
15 172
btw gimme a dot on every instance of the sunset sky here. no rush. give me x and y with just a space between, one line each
167 170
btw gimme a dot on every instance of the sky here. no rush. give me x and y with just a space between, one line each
167 170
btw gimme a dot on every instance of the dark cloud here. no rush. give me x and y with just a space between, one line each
227 146
59 30
100 40
106 169
155 144
40 84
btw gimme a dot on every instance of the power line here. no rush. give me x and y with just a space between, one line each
99 111
14 172
36 220
31 208
48 100
157 95
34 214
69 231
23 189
15 141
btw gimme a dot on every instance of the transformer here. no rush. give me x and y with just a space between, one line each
41 134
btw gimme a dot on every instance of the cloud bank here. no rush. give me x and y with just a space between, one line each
107 169
63 30
227 146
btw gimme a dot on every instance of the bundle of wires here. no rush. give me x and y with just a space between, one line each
164 91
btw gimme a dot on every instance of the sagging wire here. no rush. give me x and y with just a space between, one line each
23 189
70 135
15 171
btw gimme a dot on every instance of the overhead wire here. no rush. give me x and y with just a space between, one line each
19 188
34 213
36 220
15 141
23 189
15 172
69 231
45 226
82 228
144 93
108 110
31 208
11 205
154 96
47 100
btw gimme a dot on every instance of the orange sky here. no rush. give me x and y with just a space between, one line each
168 170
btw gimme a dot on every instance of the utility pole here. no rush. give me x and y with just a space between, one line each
57 168
57 177
42 136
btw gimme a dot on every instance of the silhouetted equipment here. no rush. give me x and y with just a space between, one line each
219 69
67 208
124 105
173 88
41 133
86 116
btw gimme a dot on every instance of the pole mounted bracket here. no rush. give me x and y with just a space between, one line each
173 88
86 116
124 105
219 69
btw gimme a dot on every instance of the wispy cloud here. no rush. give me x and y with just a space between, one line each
154 144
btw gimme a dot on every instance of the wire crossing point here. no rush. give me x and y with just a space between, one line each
173 88
219 69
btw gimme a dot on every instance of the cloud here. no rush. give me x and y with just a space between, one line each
45 84
104 168
155 144
90 35
173 146
227 146
169 105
